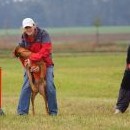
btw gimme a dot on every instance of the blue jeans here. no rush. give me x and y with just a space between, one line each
24 100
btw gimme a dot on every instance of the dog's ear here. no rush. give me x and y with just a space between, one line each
15 52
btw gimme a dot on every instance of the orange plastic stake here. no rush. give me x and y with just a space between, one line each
0 85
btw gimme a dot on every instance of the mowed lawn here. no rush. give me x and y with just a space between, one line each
87 88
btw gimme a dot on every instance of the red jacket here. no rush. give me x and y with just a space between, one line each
40 45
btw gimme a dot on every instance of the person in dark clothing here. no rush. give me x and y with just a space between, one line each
124 91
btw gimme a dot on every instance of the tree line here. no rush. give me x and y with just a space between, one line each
64 13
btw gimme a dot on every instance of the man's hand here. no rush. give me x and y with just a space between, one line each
34 89
27 62
35 69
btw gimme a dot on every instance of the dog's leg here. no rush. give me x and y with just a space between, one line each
42 84
33 87
46 103
42 91
32 100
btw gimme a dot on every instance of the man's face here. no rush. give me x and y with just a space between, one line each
29 30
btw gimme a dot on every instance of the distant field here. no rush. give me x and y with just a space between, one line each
89 30
87 88
74 30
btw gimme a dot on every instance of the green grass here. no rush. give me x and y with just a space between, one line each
73 30
87 89
89 30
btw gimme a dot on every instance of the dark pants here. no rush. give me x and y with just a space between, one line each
124 92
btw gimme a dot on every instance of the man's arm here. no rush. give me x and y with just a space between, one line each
46 49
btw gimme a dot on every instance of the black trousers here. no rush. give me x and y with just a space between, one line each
124 93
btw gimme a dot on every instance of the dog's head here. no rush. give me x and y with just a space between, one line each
21 52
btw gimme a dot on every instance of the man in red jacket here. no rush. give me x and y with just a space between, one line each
39 43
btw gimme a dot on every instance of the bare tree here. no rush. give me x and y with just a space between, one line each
97 24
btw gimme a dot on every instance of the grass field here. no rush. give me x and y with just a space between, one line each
87 89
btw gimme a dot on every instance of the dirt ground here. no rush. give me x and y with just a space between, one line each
78 43
103 38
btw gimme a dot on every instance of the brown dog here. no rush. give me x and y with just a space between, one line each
36 79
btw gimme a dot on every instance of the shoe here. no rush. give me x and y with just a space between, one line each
22 114
53 114
117 111
1 112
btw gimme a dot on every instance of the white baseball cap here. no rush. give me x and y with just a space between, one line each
28 22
